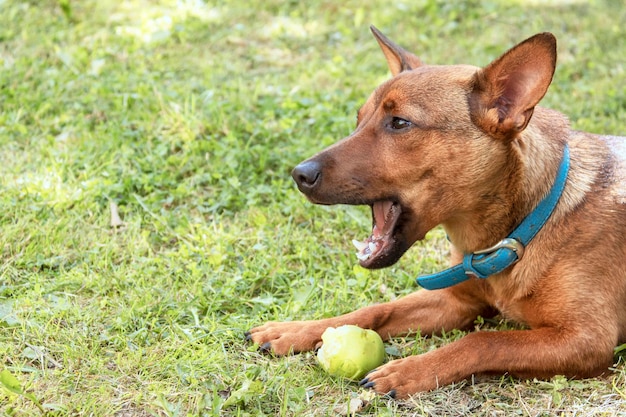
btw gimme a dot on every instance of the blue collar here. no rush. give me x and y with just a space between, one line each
505 253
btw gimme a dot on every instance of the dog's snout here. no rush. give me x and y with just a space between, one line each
307 174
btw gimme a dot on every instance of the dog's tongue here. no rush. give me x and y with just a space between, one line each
381 211
385 214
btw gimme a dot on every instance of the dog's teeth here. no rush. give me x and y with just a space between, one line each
372 247
363 256
359 245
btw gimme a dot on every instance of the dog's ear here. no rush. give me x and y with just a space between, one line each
507 90
397 58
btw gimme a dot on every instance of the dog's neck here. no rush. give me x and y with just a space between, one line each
531 163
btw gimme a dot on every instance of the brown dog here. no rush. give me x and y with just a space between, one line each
468 149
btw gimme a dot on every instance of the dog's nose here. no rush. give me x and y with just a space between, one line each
307 174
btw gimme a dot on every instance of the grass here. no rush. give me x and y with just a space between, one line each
188 116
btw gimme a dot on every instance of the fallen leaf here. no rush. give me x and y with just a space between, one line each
225 393
352 407
116 220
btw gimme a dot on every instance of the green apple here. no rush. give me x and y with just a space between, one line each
350 352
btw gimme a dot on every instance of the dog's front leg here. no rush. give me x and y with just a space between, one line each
538 353
425 311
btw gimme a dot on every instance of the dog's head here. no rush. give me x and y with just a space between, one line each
430 144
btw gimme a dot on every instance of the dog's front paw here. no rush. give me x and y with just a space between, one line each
401 378
283 338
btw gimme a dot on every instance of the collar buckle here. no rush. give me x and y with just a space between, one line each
490 261
506 243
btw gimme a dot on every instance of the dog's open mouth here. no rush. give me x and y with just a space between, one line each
378 250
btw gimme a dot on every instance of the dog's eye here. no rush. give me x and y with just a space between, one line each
398 123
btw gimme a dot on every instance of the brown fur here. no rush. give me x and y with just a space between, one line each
477 158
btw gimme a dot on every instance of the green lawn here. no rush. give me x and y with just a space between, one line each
185 118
